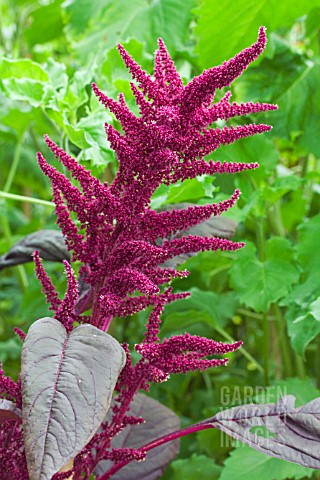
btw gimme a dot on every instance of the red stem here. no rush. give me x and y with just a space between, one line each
156 443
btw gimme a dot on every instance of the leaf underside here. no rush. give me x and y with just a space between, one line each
50 244
67 385
289 433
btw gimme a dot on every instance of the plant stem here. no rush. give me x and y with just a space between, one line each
265 322
275 220
242 350
266 344
14 165
22 198
300 366
255 315
283 341
156 443
317 363
23 279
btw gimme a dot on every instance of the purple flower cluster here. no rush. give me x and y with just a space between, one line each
122 243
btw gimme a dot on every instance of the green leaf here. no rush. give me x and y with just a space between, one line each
44 24
113 67
101 26
57 76
76 94
25 89
259 283
170 19
225 28
190 190
245 463
312 27
259 149
292 78
303 325
303 389
194 468
215 308
293 210
10 349
308 245
22 68
78 13
98 150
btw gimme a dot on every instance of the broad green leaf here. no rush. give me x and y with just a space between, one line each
303 325
293 77
258 148
293 116
196 322
303 389
194 468
78 13
293 210
259 283
215 308
20 116
76 94
308 245
44 24
92 126
244 463
22 69
67 384
312 25
10 349
57 76
170 20
225 28
25 89
189 190
110 22
113 67
281 186
74 134
315 309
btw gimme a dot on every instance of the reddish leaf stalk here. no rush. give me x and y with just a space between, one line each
156 443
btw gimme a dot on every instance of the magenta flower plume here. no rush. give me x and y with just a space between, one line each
165 144
124 246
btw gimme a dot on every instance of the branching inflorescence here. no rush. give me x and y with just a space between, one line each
116 234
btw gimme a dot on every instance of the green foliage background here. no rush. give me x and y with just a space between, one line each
267 294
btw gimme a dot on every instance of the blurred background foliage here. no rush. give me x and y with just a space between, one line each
267 294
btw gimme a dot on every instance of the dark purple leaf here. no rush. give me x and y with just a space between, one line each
9 411
49 243
159 420
67 385
84 301
282 431
213 227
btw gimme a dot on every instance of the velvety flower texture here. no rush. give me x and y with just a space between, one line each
123 243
